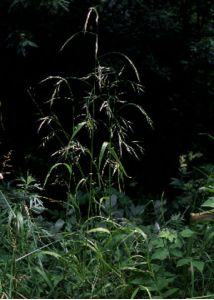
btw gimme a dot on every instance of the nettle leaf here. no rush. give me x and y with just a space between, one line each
183 262
157 243
199 265
209 203
163 282
160 254
176 253
186 233
177 244
168 235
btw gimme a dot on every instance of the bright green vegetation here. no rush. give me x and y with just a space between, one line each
102 243
125 251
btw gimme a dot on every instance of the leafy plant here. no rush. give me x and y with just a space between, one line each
94 142
101 257
21 41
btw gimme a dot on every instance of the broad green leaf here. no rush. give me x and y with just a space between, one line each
160 254
199 265
163 281
183 262
186 233
137 281
209 203
176 253
157 243
168 235
177 244
156 267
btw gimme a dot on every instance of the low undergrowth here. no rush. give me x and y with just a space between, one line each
104 256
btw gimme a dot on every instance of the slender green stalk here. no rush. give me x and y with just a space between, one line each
12 272
192 280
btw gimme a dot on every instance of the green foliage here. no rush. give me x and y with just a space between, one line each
192 182
21 41
115 254
101 257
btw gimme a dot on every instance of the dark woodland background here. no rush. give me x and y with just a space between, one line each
171 44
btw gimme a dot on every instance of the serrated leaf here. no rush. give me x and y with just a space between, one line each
176 253
160 254
183 262
209 203
163 282
157 243
168 235
199 265
186 233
